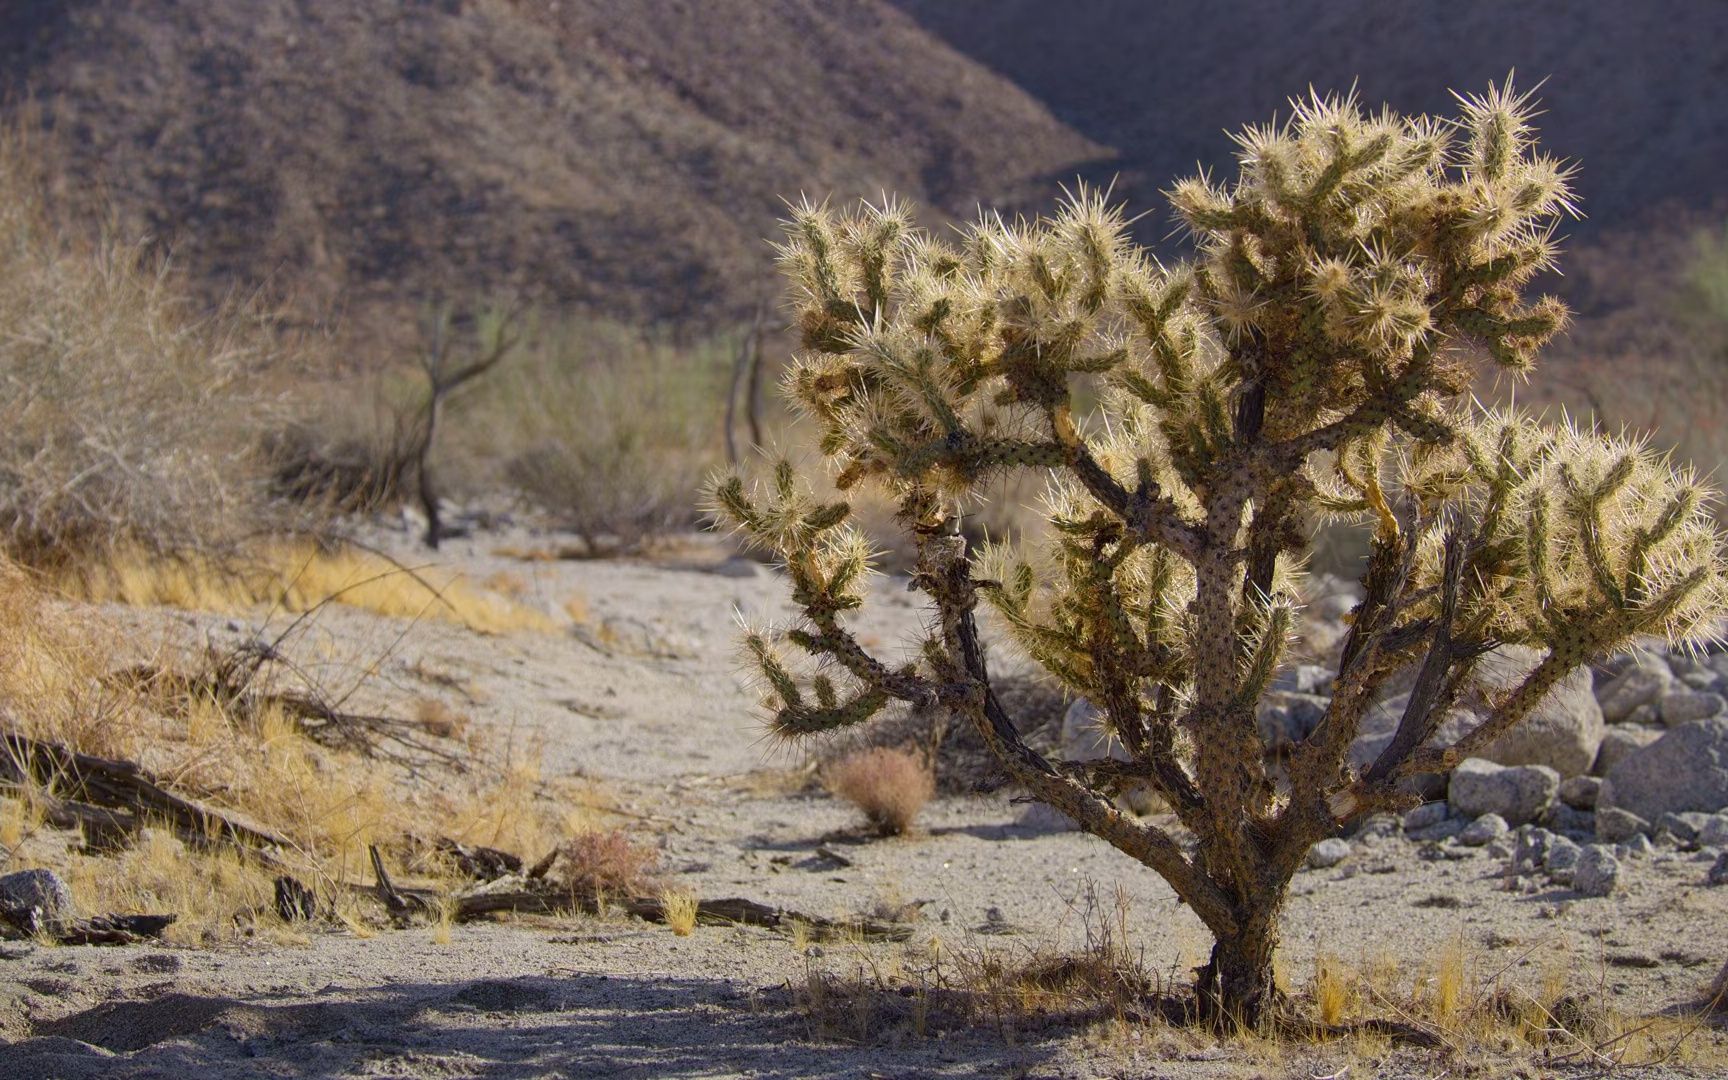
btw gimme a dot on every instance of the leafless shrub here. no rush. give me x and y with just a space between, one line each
889 784
126 415
599 863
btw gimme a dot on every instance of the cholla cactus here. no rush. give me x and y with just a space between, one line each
1313 360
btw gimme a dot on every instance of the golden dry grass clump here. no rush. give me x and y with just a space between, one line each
889 784
305 576
65 681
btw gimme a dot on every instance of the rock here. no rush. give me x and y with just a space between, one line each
1530 849
1483 829
1686 769
1328 852
1641 684
1044 818
33 899
1614 825
1445 830
1563 819
1311 679
1718 874
1517 793
1636 847
1707 681
1684 826
1619 742
1684 706
1579 792
1426 816
1714 834
1562 732
1562 859
1085 736
1597 871
1288 717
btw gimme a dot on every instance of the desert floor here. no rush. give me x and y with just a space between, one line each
649 702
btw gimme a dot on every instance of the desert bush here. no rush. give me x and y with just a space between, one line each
1313 359
127 415
888 784
599 863
609 432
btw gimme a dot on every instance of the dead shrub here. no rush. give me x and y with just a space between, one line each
598 863
127 415
609 432
889 784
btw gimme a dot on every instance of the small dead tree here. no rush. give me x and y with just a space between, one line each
1315 359
450 361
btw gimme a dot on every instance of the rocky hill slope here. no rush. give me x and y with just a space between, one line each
627 156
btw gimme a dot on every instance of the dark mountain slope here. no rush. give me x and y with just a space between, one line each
1637 92
622 155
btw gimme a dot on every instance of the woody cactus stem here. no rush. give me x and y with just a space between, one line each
1311 362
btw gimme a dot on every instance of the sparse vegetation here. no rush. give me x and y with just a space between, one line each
1314 360
888 784
127 414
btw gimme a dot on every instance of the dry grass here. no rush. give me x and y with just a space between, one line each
302 577
889 784
680 908
924 991
253 763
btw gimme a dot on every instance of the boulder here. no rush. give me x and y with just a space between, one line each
1562 732
1643 683
1718 874
1686 769
1684 706
1620 741
34 899
1614 825
1597 872
1517 793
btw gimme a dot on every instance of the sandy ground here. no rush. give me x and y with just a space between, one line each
649 698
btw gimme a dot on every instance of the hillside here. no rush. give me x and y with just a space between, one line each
1638 93
626 156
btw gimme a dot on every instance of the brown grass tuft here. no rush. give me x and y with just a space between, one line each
890 785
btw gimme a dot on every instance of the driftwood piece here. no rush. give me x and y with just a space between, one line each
113 929
294 901
123 785
477 862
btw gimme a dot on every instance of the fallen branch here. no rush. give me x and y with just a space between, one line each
113 929
125 786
